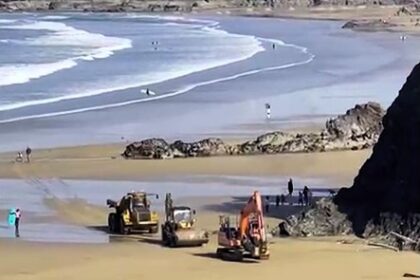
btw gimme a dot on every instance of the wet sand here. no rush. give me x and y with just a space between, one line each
104 162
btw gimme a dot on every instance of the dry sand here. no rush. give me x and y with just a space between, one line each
138 257
404 23
290 259
142 257
104 162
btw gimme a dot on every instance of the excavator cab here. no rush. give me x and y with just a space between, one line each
227 229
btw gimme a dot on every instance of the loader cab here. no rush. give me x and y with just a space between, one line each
183 216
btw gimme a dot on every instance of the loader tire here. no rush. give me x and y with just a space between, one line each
111 223
122 227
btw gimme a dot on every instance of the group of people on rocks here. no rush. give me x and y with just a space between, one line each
304 197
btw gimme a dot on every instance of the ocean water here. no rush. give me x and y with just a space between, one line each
70 79
53 59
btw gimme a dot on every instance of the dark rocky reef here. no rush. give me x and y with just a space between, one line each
385 195
368 25
358 128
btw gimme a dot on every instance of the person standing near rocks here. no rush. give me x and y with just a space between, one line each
277 201
290 187
28 154
306 195
267 204
300 199
282 199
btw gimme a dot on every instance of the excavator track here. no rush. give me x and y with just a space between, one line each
232 255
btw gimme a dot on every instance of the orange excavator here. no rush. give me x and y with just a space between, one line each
249 238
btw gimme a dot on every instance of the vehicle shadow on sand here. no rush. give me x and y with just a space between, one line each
214 256
143 238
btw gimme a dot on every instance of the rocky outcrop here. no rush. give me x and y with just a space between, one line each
202 148
361 122
358 128
154 148
385 195
368 25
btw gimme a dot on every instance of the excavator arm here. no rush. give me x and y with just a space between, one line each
254 206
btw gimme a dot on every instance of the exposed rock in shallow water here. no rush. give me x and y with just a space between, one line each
357 129
385 195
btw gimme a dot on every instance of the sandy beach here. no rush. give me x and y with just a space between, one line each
293 259
77 143
105 163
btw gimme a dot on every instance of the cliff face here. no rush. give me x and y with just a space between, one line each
389 181
385 195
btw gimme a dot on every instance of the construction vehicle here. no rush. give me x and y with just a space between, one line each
178 229
132 213
246 238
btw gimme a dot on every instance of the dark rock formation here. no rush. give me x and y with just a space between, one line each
385 195
389 180
202 148
358 128
323 219
368 25
149 149
361 122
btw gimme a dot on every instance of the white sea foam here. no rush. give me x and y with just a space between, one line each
251 46
55 17
7 21
166 95
23 73
95 46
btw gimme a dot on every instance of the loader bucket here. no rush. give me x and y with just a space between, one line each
191 238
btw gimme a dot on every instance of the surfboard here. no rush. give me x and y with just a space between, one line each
11 217
144 91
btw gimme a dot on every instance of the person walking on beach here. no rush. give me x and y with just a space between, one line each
267 111
18 215
277 201
306 195
28 154
290 187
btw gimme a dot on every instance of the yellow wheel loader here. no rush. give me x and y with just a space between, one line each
178 229
132 213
